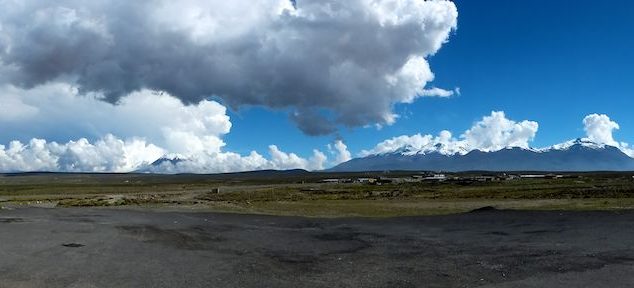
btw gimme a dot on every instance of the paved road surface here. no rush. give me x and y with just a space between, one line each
88 247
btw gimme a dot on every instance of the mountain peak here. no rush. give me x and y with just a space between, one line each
437 148
575 155
169 158
579 142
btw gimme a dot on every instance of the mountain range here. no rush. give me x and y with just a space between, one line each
575 155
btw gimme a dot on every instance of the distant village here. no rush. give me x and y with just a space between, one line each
449 178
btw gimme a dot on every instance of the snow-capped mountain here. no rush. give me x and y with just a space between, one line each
583 142
441 148
165 163
574 155
169 160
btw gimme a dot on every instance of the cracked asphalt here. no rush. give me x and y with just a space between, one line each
95 247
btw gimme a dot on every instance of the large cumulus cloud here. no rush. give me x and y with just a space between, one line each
109 154
600 128
493 132
112 154
331 62
143 127
56 111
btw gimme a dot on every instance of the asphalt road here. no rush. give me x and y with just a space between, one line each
90 247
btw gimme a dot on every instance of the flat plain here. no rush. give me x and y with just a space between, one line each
300 193
290 229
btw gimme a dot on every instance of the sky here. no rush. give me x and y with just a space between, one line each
547 61
114 85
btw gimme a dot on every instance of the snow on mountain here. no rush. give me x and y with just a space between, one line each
167 161
461 149
574 155
584 142
439 148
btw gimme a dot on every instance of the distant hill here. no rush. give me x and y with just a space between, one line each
167 163
576 155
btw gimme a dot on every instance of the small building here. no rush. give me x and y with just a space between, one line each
366 180
485 178
532 176
509 177
436 177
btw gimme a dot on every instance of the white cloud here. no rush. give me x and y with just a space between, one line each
599 129
13 110
59 61
496 132
232 162
317 161
340 150
434 91
283 160
201 134
354 59
59 111
418 143
493 132
626 148
214 163
109 154
149 125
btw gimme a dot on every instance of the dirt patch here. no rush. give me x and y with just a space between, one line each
73 245
195 238
287 257
497 233
543 231
11 220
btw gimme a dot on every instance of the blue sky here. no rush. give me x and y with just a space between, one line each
82 91
553 62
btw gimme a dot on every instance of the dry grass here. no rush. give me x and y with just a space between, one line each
284 197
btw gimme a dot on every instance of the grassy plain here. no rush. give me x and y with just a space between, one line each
302 193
